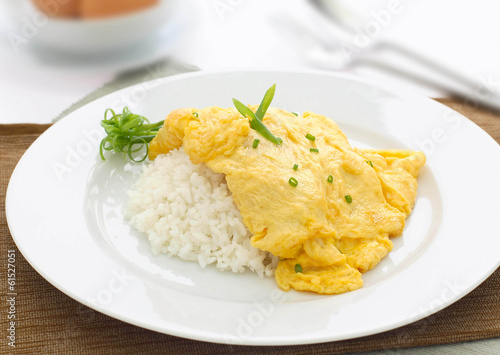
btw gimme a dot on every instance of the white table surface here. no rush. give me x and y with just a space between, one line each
223 34
459 34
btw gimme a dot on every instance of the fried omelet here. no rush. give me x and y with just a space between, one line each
331 226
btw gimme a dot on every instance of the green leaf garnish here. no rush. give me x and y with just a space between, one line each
256 143
244 110
298 268
128 133
257 117
266 101
348 198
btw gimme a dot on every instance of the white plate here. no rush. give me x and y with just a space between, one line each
64 212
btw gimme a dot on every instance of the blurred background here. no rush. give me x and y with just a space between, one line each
56 53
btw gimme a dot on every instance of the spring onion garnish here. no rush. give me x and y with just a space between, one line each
370 162
314 150
330 179
256 143
348 198
295 167
195 114
310 137
295 113
298 268
293 181
257 117
128 133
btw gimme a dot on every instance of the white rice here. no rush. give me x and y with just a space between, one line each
187 210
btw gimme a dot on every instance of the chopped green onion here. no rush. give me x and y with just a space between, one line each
195 114
295 167
330 179
370 162
298 268
266 101
127 133
295 113
348 198
310 137
257 117
256 143
255 123
279 140
314 150
293 181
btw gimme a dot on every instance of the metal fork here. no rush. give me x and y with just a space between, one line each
329 43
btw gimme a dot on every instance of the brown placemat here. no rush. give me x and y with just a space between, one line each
49 322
